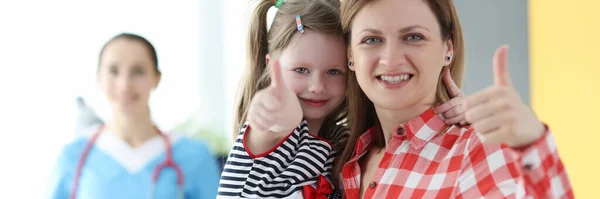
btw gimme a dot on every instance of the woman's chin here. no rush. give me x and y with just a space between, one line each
126 109
393 104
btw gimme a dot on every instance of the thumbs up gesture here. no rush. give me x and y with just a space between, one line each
499 114
275 108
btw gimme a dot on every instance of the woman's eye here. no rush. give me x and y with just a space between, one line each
113 71
333 72
138 72
414 38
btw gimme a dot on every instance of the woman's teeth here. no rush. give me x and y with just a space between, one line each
395 79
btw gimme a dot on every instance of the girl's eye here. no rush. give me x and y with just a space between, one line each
371 40
301 70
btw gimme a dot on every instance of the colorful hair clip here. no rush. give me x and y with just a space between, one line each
278 3
299 24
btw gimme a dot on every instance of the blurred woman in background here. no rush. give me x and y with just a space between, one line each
129 157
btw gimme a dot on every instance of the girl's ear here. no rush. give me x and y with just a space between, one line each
267 58
350 61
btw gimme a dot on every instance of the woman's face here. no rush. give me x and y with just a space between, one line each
398 52
127 75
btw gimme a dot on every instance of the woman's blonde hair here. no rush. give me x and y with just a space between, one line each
361 111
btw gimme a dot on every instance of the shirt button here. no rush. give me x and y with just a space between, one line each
400 131
372 185
528 167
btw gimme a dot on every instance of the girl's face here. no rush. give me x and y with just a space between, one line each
314 67
127 75
398 52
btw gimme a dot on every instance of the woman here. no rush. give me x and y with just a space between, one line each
129 157
400 148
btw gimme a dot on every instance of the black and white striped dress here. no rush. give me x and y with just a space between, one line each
284 171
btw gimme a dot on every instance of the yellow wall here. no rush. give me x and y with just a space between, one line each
565 83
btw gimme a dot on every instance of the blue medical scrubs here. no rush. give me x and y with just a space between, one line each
115 170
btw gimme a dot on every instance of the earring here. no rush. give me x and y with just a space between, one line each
448 58
350 64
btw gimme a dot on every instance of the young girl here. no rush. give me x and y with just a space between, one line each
129 157
297 75
305 37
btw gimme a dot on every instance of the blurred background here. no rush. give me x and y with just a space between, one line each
49 54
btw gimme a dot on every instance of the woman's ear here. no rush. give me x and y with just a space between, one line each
449 52
157 80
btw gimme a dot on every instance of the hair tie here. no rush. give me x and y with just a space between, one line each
278 3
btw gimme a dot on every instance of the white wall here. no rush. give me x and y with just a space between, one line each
487 25
236 19
48 56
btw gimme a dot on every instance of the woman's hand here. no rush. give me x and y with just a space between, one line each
453 111
499 114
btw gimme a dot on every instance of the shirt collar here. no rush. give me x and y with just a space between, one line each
418 131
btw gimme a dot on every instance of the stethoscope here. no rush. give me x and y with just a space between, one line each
168 162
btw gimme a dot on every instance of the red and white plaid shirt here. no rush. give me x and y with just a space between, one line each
426 163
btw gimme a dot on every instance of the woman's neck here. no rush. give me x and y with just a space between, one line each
390 119
314 126
133 129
